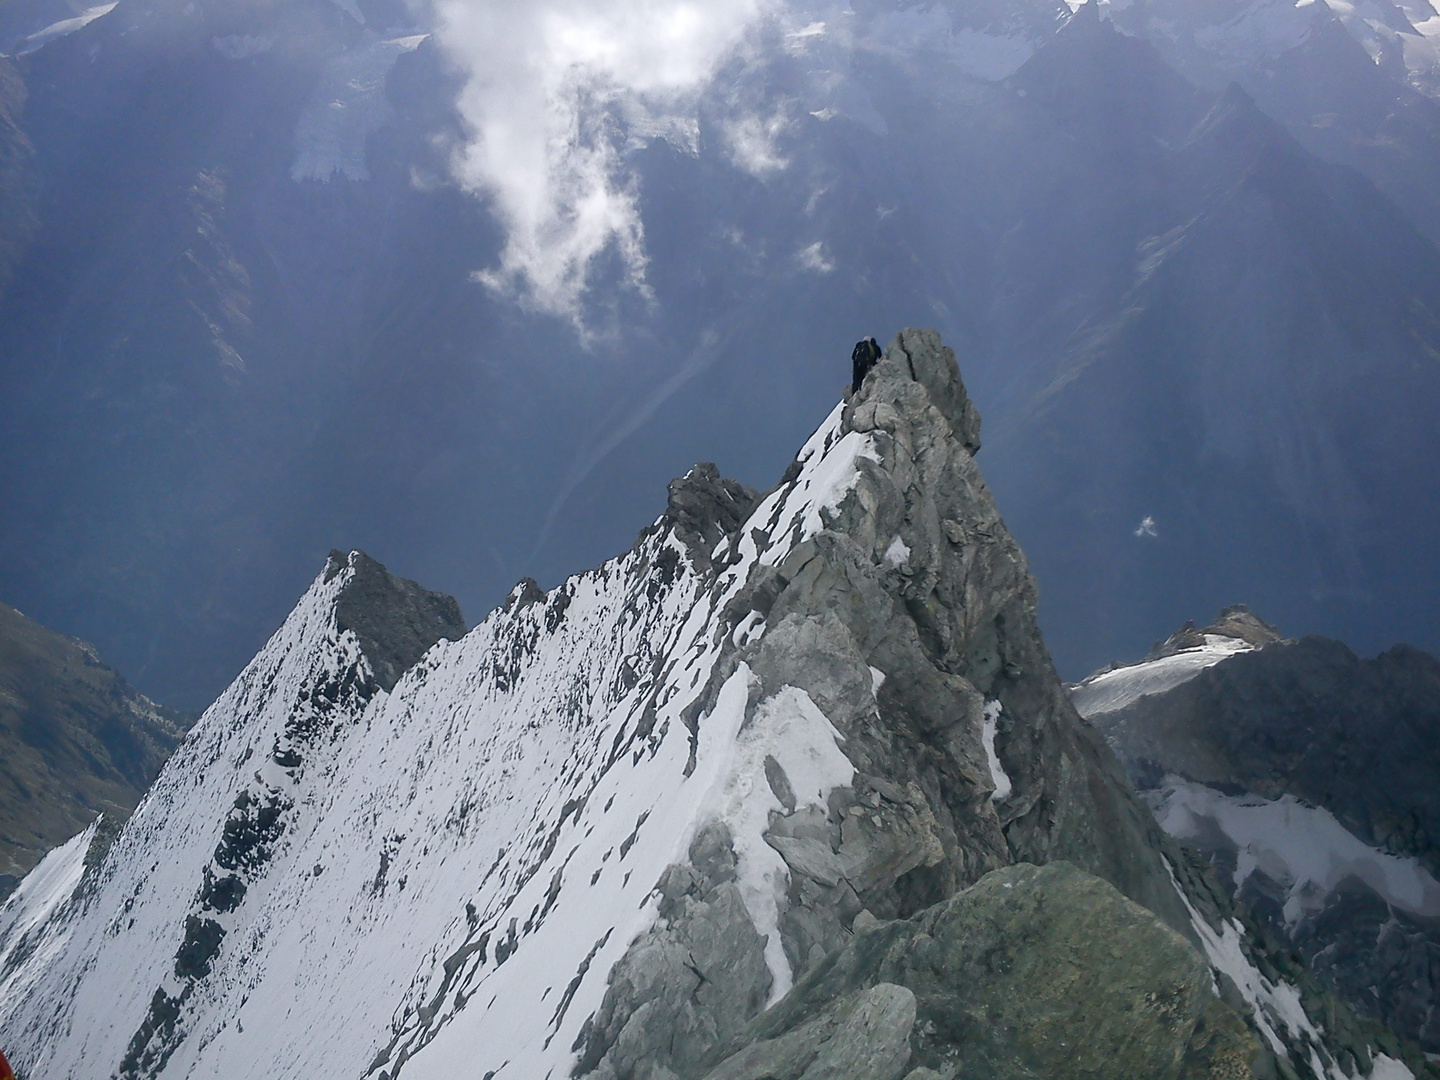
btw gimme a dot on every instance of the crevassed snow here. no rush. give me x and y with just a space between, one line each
60 29
460 861
998 775
1111 690
1275 1005
1303 847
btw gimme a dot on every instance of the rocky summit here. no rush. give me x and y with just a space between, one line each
790 790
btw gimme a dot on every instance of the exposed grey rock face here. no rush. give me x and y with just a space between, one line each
909 620
1310 719
395 619
693 981
704 508
75 741
1031 972
1358 738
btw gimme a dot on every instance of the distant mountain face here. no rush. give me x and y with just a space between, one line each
75 742
789 790
242 322
1309 777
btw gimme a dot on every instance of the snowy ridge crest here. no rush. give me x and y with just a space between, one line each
323 858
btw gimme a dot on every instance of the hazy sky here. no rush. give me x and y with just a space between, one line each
544 80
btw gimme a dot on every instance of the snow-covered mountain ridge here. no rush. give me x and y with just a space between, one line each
753 762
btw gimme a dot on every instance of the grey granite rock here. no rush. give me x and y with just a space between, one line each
906 617
395 619
863 1036
690 982
704 508
1031 972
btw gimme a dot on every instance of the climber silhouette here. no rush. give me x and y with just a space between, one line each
865 357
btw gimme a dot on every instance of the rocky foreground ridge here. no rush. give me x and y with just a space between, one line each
790 790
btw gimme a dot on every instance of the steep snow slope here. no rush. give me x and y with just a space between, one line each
500 795
1176 660
1107 691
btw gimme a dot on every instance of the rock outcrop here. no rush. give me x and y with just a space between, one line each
75 741
908 618
1031 972
394 619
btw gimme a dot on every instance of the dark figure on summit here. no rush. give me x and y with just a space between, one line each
865 357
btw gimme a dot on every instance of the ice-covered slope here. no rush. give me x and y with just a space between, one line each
1177 659
1107 691
602 831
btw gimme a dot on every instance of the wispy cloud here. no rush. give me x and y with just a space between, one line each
755 142
547 82
815 258
1147 527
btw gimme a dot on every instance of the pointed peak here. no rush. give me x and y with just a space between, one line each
703 507
1237 122
931 363
1090 71
1086 15
395 619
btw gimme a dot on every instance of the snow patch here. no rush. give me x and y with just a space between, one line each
1111 690
1387 1068
789 728
898 553
1303 847
1275 1005
64 27
998 775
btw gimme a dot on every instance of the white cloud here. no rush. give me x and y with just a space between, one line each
814 257
1146 527
546 84
755 142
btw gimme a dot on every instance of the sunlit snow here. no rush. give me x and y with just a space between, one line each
1114 689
